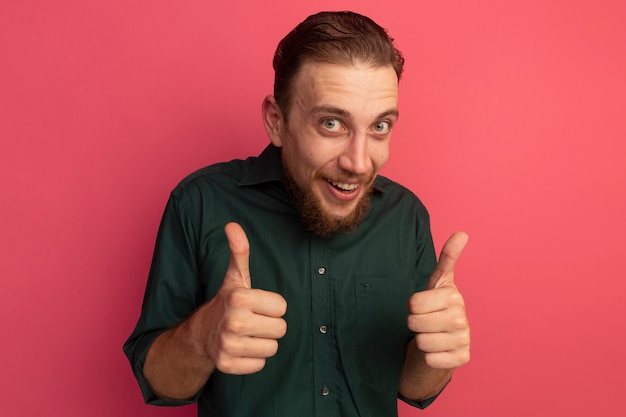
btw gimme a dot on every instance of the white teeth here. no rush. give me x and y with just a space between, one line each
343 186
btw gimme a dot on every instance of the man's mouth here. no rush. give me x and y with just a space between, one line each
342 186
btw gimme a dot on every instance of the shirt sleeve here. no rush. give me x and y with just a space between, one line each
172 291
426 261
422 403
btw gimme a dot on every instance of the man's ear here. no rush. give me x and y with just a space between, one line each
273 120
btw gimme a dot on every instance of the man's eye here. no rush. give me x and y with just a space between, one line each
333 125
382 127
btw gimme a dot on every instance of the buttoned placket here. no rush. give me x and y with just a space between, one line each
322 309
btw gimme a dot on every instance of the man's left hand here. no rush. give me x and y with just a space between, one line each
437 314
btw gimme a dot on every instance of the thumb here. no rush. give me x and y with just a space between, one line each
238 272
452 249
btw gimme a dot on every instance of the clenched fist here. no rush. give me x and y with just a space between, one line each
437 315
242 324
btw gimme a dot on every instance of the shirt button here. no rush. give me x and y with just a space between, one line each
321 270
325 391
323 329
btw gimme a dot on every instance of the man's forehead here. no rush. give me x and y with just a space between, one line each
323 87
310 69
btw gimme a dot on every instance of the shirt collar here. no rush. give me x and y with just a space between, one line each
268 167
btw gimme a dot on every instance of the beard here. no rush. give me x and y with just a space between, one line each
316 219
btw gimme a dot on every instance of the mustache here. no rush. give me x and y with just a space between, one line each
348 177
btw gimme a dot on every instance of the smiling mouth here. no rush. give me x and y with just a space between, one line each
342 186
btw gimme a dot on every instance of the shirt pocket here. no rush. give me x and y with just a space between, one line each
381 328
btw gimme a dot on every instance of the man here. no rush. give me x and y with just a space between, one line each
280 284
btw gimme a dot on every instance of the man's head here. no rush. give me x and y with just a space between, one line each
332 38
333 117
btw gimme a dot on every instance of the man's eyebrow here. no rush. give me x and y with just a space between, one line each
331 110
390 112
341 112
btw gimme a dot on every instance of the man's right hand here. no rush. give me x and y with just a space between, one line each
238 329
235 332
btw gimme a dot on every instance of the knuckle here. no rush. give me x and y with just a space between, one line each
224 365
412 322
236 298
465 357
281 328
231 366
223 362
460 323
272 348
279 305
465 340
422 342
234 325
461 358
433 360
260 364
456 299
413 303
226 346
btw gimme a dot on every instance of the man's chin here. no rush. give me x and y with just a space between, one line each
340 216
326 222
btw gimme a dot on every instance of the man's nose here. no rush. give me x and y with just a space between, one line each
355 157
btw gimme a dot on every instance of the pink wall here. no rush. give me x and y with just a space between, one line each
513 128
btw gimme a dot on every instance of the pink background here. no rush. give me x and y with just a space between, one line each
513 128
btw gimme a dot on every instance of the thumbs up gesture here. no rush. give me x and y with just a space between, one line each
437 315
242 324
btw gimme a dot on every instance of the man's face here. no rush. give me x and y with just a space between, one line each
336 139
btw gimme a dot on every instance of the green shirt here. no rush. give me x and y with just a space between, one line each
346 296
